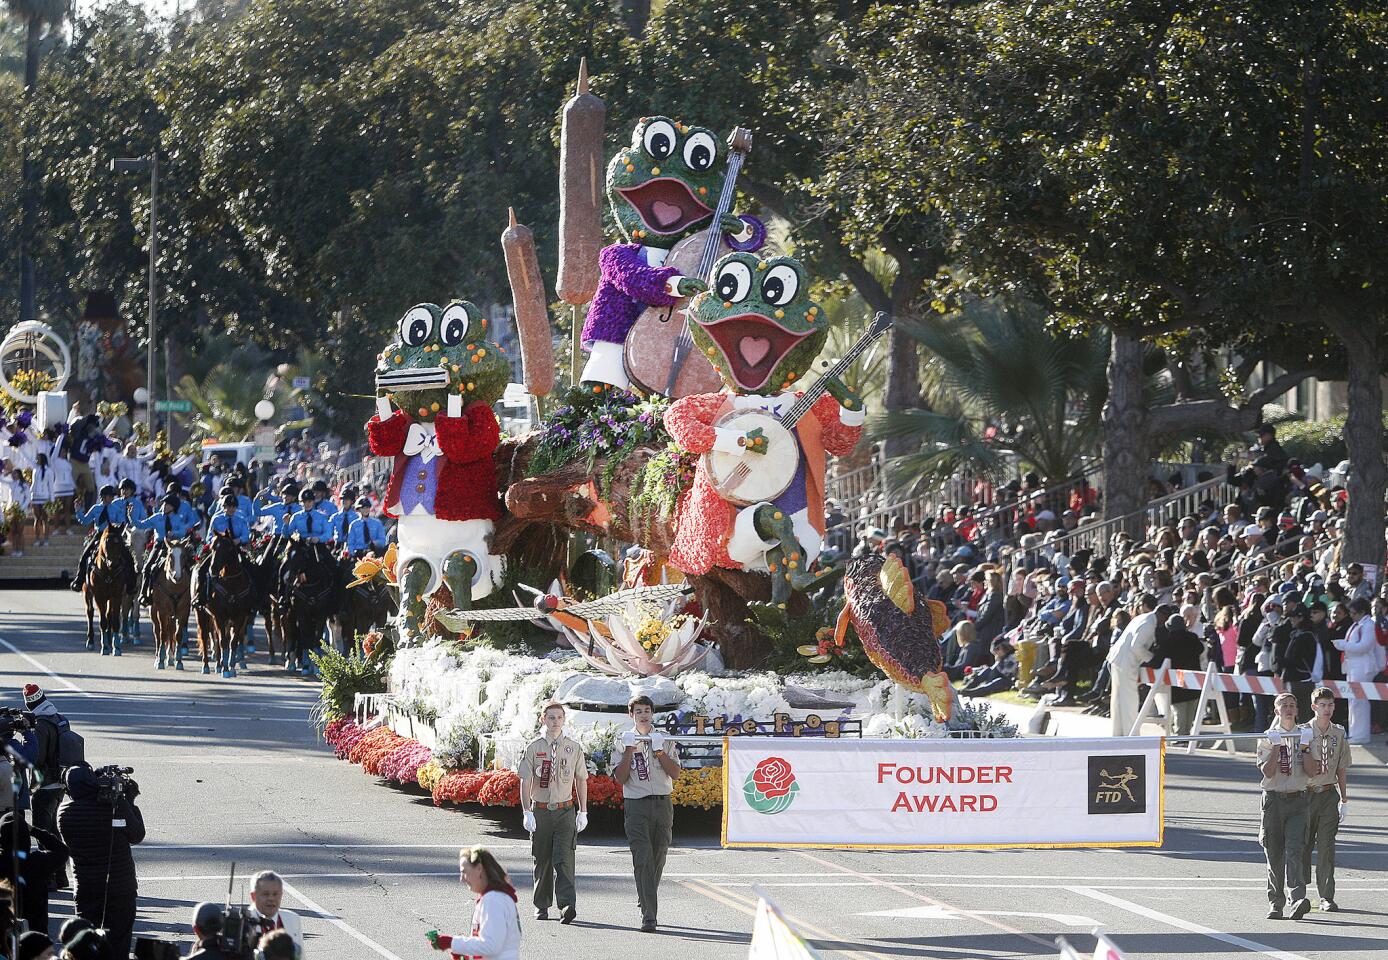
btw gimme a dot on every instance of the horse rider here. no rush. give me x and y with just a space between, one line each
366 531
310 524
322 500
186 511
237 486
226 522
107 512
167 524
342 520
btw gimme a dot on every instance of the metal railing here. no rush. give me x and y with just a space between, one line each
1096 536
957 490
1249 575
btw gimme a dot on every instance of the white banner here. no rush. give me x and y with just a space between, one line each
926 794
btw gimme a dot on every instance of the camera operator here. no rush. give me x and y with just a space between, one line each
34 866
99 822
207 928
267 890
58 747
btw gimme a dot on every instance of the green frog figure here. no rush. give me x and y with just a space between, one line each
661 188
437 381
762 332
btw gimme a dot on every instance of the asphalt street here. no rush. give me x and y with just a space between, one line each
232 771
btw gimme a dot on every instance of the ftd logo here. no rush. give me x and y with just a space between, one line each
1118 784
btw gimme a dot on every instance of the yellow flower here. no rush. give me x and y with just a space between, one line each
701 788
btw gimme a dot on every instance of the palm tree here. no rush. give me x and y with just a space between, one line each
35 15
224 403
849 315
1000 384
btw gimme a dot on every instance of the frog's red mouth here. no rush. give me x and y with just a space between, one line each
753 345
665 205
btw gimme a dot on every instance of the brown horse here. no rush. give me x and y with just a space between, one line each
231 601
169 601
110 580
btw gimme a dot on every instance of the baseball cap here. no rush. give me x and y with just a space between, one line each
1320 516
207 917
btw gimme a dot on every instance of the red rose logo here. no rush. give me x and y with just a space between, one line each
773 778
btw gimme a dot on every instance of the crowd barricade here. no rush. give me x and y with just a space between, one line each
1213 684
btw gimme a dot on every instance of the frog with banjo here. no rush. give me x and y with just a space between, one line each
442 375
663 188
757 500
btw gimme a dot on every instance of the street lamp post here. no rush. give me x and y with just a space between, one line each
140 165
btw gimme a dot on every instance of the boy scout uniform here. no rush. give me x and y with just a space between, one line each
1283 831
649 817
553 766
1330 753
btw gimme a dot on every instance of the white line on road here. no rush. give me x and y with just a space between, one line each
945 913
996 925
1237 941
338 922
63 681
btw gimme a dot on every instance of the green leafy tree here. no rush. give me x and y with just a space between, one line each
1194 174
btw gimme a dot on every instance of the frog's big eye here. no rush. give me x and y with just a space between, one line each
453 329
415 327
700 151
780 285
659 140
733 282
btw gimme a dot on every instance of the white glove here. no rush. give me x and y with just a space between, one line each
1343 808
657 742
581 821
629 739
1275 736
455 405
528 821
1306 736
383 408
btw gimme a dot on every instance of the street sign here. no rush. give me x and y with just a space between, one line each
173 406
265 443
301 383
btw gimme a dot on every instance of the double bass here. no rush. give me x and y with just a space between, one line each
657 354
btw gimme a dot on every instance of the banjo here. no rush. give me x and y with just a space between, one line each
746 478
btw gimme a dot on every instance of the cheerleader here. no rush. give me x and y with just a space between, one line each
15 492
40 496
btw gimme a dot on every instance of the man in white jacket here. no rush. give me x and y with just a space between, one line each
1127 654
1363 660
267 890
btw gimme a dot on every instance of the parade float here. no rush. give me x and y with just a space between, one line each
693 444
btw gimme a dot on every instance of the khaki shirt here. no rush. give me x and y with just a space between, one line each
1329 750
1281 782
552 768
648 778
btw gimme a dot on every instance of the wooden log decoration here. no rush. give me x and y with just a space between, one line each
531 307
581 179
540 508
